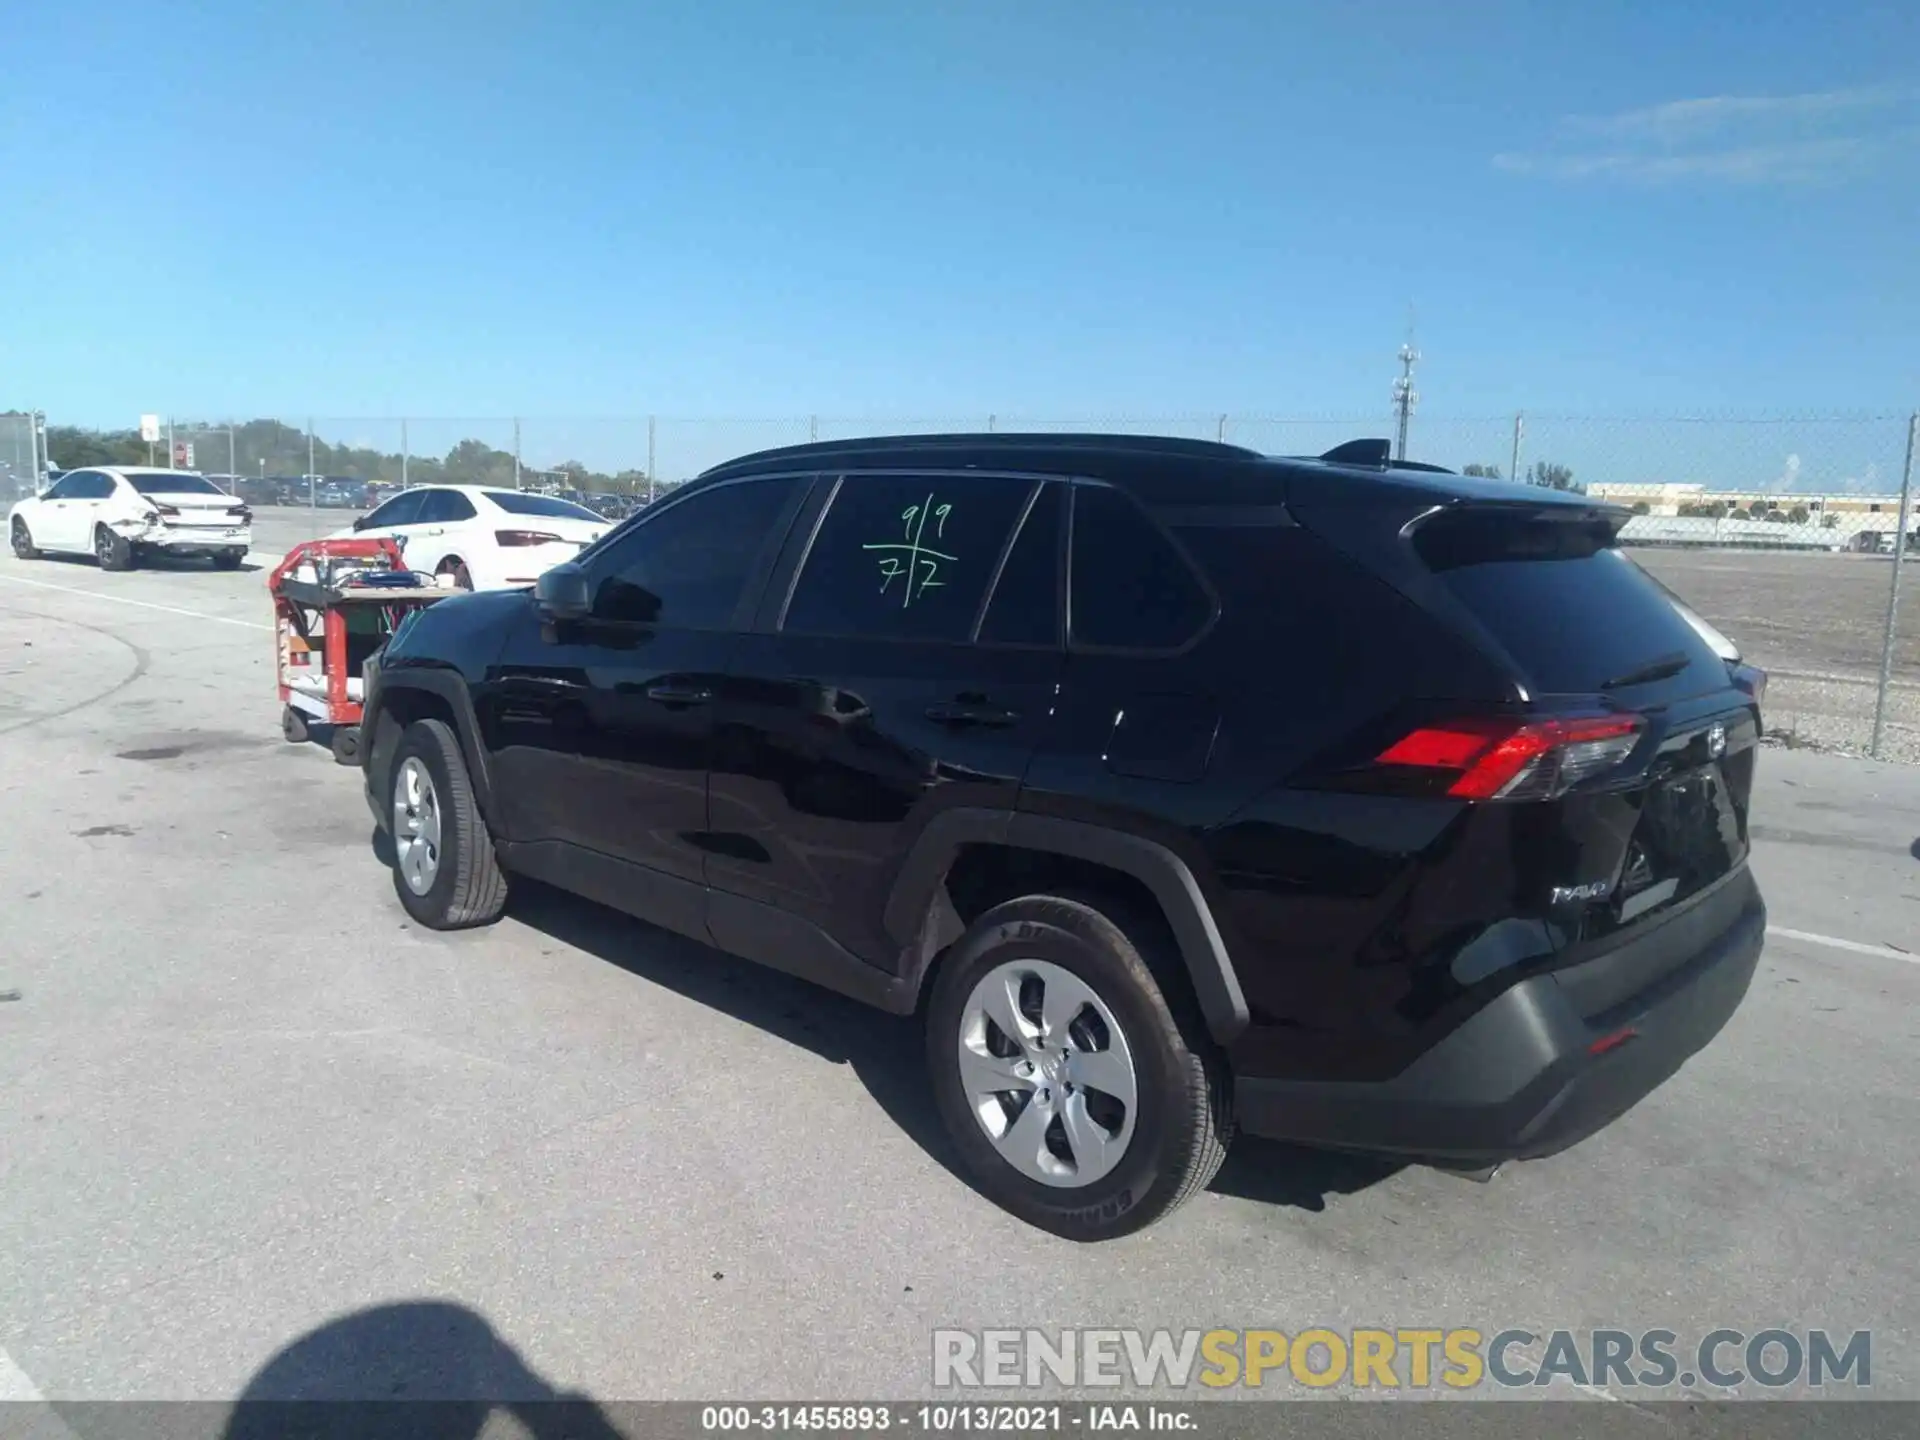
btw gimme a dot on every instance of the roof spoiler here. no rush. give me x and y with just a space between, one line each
1376 455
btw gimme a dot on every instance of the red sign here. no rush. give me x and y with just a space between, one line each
180 454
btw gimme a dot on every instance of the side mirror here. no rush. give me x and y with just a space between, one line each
562 593
360 522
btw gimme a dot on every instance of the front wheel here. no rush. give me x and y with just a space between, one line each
457 571
114 552
1075 1097
445 870
23 546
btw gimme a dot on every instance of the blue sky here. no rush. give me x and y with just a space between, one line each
944 209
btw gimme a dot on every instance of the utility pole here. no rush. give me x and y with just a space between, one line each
516 452
1404 396
653 490
170 442
403 454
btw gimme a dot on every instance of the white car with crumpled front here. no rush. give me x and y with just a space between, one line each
122 514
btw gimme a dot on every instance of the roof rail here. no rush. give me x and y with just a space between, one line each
1003 440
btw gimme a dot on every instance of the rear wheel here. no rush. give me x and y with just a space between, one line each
462 577
114 552
1067 1084
23 545
228 559
345 744
293 725
445 870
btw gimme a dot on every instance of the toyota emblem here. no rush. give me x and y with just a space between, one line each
1716 741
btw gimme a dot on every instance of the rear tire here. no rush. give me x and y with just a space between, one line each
293 725
1173 1135
228 559
446 872
23 546
114 552
462 577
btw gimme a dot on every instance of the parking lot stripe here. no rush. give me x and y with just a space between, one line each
142 604
14 1384
1885 952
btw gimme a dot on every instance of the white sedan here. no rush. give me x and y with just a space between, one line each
475 537
121 514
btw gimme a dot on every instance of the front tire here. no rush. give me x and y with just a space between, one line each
1100 1115
445 870
114 552
23 546
462 577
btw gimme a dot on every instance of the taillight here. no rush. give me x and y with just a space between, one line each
516 538
1517 759
160 509
243 514
1753 681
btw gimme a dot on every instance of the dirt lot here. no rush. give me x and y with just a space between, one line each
1814 622
1808 613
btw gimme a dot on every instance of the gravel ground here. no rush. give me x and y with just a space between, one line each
1816 624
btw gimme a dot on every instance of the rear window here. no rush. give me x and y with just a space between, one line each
163 484
516 502
1569 607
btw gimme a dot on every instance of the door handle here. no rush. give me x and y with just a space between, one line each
957 712
679 694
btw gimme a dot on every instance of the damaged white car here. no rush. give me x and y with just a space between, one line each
122 514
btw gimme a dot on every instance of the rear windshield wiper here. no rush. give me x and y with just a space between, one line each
1661 669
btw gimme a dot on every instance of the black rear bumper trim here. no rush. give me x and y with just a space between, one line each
1518 1081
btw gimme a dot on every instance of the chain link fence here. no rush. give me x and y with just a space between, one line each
20 465
1785 531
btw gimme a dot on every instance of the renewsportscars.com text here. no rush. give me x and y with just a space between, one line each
1400 1358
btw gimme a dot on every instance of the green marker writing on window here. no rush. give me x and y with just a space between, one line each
912 557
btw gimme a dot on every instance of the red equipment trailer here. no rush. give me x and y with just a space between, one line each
335 602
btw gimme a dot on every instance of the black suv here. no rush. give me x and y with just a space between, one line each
1354 803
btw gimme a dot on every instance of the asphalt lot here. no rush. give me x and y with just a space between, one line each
246 1103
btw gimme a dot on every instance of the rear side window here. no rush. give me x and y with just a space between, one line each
905 557
1572 611
1130 587
444 507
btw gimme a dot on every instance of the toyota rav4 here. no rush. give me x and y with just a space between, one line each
1178 788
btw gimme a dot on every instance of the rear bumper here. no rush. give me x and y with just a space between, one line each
1519 1080
209 540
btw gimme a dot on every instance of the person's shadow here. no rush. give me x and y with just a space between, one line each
420 1369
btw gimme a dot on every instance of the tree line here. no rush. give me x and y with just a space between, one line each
1543 473
269 447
